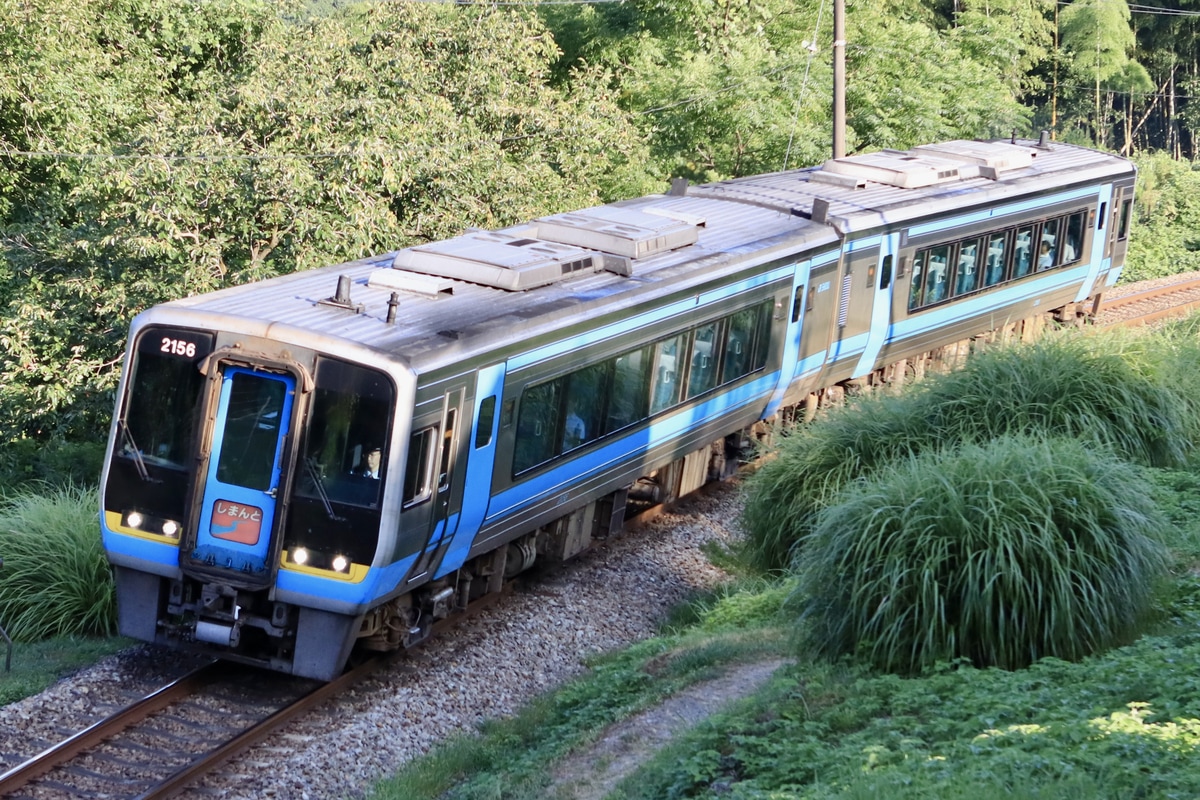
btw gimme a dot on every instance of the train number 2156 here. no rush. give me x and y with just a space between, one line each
178 347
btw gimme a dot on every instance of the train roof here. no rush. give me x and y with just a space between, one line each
468 294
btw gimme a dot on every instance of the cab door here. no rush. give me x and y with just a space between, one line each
238 505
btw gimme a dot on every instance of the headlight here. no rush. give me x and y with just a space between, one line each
134 520
170 528
340 563
300 556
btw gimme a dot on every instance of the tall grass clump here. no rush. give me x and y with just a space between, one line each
55 580
1080 387
1001 553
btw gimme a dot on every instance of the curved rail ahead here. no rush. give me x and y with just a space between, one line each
1160 302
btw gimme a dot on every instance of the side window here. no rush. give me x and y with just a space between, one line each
993 270
739 344
762 337
936 281
1023 251
448 443
586 390
1072 247
966 276
918 275
487 417
418 483
664 391
629 399
1123 223
537 425
702 375
1048 249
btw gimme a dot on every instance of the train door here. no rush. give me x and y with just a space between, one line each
791 345
481 457
881 305
437 460
237 510
820 305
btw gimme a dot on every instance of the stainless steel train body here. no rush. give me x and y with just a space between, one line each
338 457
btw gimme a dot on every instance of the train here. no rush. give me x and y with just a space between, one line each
327 463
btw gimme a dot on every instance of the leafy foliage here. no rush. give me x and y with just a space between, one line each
55 580
1117 726
1075 387
183 147
1164 240
1000 554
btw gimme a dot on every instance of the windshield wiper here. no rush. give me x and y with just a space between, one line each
132 450
319 484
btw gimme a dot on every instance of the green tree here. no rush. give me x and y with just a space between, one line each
232 144
1096 39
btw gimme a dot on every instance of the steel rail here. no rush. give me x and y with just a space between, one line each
179 780
206 763
90 737
1185 287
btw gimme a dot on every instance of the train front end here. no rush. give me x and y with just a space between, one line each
244 493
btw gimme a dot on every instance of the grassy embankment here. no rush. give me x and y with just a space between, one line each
998 599
1087 444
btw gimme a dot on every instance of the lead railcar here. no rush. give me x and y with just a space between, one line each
336 458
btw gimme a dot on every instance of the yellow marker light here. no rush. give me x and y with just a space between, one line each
340 563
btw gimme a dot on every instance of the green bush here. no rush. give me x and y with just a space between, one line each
1001 553
1073 386
55 580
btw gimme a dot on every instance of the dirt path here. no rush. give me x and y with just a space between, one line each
593 773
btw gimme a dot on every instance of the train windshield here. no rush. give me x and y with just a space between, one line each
342 463
158 421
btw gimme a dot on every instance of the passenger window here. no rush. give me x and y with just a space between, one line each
630 395
918 274
537 425
936 284
586 390
739 345
994 259
1073 239
1048 249
664 391
703 373
487 417
1023 251
418 485
966 278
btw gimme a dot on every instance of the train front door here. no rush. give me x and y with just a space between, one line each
237 511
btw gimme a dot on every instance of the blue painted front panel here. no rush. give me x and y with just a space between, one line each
236 519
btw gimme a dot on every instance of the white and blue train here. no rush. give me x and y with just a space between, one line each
335 459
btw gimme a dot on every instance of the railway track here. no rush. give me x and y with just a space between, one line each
1170 299
157 746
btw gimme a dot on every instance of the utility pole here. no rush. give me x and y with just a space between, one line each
839 78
